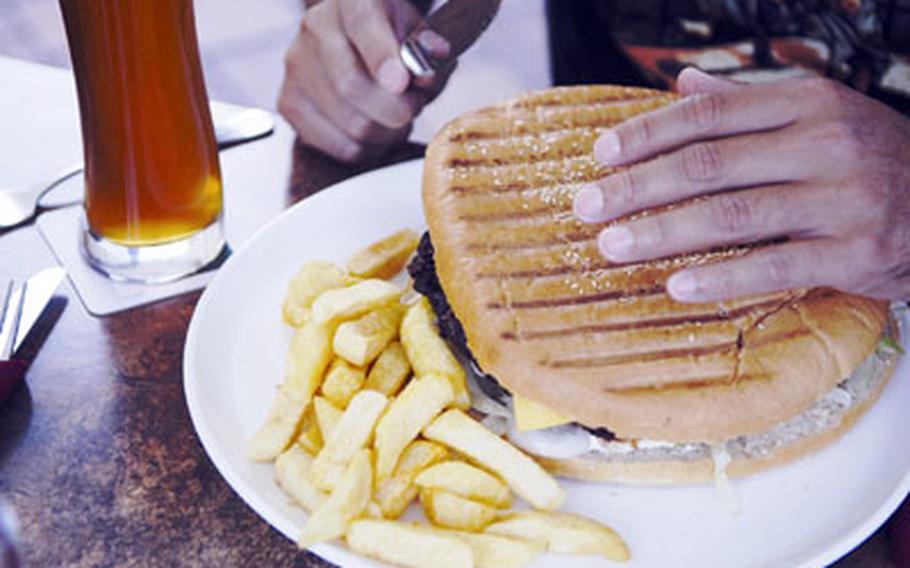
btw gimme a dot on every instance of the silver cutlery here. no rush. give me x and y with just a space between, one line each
22 307
11 370
13 300
37 292
19 204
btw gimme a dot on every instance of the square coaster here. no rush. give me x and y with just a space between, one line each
101 296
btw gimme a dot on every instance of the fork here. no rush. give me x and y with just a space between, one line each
11 370
9 319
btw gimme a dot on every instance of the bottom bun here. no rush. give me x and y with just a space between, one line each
641 469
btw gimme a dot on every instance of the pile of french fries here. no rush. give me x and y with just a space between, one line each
372 415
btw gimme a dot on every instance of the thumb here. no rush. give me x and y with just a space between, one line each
693 80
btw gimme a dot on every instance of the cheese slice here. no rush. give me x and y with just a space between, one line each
531 415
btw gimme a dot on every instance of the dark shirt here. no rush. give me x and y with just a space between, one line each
863 43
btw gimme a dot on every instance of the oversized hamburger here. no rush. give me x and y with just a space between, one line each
599 373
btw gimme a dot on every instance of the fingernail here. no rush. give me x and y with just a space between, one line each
589 203
350 152
695 72
682 286
434 43
393 76
616 243
607 148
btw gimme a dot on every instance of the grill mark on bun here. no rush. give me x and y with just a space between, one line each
562 117
536 128
553 271
484 249
550 194
619 295
573 143
620 95
458 163
512 186
641 357
686 385
681 353
605 269
484 185
500 216
465 162
598 267
553 169
680 320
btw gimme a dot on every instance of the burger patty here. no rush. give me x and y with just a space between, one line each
422 269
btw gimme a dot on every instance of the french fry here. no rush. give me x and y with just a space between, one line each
467 481
347 502
352 433
452 511
564 533
353 301
310 437
309 355
291 473
495 551
389 371
419 402
325 472
327 415
312 279
428 352
384 258
342 382
278 430
360 341
460 432
407 545
396 493
373 511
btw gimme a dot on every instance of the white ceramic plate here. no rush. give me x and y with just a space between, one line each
808 513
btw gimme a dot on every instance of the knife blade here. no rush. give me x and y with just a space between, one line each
460 22
38 291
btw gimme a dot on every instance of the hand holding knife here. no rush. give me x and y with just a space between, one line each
348 93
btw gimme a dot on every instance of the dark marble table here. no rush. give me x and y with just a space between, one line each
97 453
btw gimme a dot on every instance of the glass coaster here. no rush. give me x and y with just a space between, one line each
62 230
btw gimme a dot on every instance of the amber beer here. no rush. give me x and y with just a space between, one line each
153 184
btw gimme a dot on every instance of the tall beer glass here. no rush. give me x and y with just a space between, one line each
152 179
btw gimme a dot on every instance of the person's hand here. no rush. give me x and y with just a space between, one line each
807 160
345 90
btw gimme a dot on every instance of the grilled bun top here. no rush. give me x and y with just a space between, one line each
604 344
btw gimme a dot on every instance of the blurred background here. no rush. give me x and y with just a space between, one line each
243 44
